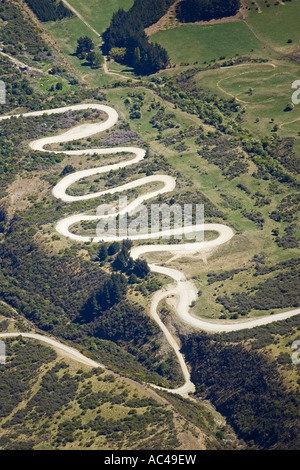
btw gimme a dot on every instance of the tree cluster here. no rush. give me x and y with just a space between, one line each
150 11
246 387
289 239
123 261
190 11
49 10
110 293
126 31
86 51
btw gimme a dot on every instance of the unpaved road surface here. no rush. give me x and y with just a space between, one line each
66 351
183 289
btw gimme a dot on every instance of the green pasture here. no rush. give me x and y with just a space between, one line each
277 23
66 33
205 43
98 13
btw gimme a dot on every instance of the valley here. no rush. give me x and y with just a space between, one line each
216 128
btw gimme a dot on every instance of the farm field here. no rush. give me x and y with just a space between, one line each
99 13
265 28
276 23
208 42
264 90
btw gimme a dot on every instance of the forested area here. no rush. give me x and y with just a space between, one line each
127 325
126 322
246 387
150 11
44 295
127 31
49 10
189 11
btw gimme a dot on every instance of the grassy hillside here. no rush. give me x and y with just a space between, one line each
66 32
263 18
207 43
56 404
218 125
98 13
263 90
272 17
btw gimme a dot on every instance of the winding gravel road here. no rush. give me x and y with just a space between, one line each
66 351
183 289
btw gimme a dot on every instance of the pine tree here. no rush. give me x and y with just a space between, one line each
141 268
127 31
47 10
121 261
103 252
113 248
205 10
137 58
